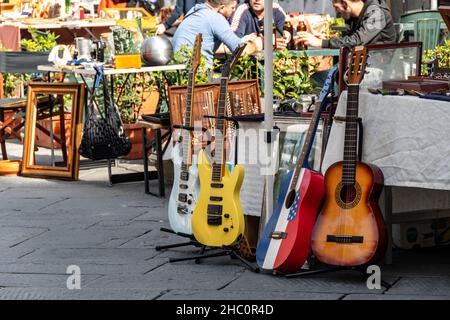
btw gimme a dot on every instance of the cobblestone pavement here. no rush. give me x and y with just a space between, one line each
111 234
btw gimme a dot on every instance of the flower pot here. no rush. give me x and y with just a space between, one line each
10 167
43 140
134 132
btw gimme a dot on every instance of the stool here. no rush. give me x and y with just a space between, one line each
159 172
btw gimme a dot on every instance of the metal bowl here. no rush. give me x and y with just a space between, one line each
157 51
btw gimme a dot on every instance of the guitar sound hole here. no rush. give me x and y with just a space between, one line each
348 194
290 199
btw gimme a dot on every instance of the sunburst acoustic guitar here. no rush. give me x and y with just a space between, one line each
350 230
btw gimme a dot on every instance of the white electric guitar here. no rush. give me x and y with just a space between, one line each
186 185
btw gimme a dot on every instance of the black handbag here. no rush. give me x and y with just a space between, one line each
103 135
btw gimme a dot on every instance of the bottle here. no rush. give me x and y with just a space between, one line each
301 27
288 34
274 36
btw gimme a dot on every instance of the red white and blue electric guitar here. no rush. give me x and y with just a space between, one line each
285 242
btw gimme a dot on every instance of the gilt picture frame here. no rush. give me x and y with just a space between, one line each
72 96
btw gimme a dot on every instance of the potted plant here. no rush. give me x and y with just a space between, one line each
292 78
137 95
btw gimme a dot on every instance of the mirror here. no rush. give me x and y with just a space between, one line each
53 128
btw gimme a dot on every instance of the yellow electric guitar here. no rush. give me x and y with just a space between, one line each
218 219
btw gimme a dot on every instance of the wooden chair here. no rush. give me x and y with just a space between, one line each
12 111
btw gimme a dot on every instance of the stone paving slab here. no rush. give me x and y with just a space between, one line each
432 286
171 276
245 295
83 294
13 236
92 255
59 266
40 280
339 282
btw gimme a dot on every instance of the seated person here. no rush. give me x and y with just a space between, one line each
210 19
248 19
371 22
182 7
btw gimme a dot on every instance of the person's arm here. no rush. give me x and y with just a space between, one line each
223 33
177 12
238 20
373 23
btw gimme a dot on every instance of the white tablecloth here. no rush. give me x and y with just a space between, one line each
408 138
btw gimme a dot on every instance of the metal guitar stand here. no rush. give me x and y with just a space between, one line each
334 269
192 241
233 252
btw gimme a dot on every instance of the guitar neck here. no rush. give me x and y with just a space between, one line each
217 170
306 150
188 122
351 136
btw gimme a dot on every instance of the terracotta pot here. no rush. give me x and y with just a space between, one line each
134 132
43 140
10 167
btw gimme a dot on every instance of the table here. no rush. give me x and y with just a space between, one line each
407 138
11 32
83 73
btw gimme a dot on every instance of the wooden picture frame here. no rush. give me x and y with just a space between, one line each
70 170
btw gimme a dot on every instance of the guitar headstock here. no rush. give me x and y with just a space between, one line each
196 52
357 65
231 61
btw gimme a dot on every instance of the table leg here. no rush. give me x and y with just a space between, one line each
144 146
160 163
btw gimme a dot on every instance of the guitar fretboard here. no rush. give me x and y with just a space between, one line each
217 167
351 136
186 143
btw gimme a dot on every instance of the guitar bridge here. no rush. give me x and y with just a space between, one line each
214 215
345 239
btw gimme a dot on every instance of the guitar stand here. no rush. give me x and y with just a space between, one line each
334 269
225 251
232 252
192 241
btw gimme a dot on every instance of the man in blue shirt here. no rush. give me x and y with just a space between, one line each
248 18
182 7
210 19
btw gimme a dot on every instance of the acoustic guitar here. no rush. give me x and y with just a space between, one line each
186 184
218 219
350 230
285 242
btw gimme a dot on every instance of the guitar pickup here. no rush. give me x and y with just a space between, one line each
214 209
217 185
183 186
184 176
345 239
278 235
214 220
182 197
216 199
